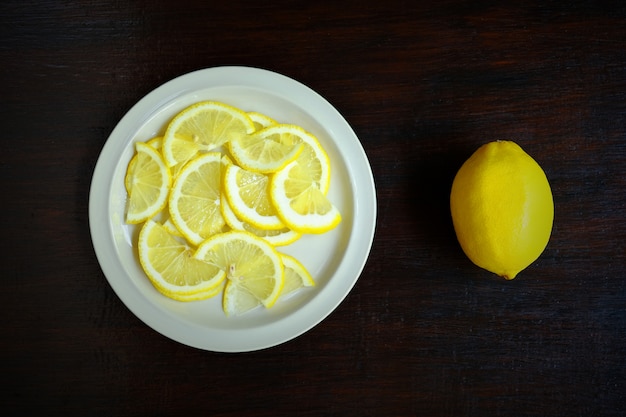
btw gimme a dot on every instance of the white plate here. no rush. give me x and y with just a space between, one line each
335 259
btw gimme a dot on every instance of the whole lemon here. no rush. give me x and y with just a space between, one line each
502 208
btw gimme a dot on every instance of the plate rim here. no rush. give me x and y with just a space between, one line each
99 219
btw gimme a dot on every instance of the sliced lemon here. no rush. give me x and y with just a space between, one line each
130 172
171 267
179 151
265 151
203 126
171 228
296 275
313 159
238 300
226 162
203 295
261 120
175 170
194 202
301 205
253 268
248 196
147 182
280 237
156 144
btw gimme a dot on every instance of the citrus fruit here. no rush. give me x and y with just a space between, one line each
132 163
218 168
279 237
313 160
300 204
171 228
169 264
253 268
147 182
248 195
155 142
296 275
298 191
263 151
203 295
261 120
502 208
194 202
203 126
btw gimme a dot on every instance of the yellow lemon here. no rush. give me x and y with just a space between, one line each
296 275
202 126
262 152
147 182
194 202
248 196
502 208
261 120
279 237
253 267
300 204
272 191
313 160
171 267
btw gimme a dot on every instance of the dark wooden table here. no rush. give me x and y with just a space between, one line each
423 84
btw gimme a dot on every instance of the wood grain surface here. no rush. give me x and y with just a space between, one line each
423 84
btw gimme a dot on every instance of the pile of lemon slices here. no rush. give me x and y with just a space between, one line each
227 187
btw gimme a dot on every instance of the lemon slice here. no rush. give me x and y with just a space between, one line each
194 202
203 126
261 120
171 228
156 144
248 196
313 159
253 268
130 172
296 275
171 267
203 295
301 205
147 182
265 151
280 237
